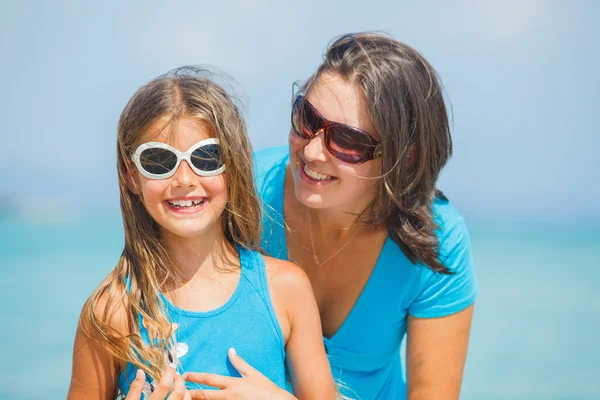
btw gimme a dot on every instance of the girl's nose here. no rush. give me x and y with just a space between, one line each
185 176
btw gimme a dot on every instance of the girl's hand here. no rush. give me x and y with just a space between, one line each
170 380
251 386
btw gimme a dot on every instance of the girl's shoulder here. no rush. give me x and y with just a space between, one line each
106 305
285 276
291 292
288 283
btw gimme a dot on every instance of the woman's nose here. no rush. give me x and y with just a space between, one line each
315 149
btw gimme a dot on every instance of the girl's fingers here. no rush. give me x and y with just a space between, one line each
212 380
137 386
165 384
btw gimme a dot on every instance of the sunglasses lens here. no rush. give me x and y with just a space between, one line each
304 120
349 145
207 158
311 120
158 161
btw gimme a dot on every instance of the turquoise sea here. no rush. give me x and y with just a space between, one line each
535 334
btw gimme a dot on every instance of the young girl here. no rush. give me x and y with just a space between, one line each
191 286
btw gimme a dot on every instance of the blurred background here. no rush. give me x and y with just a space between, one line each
521 76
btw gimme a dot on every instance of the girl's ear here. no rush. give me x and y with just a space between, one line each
132 177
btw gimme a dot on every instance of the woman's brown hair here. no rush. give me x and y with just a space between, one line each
406 107
135 284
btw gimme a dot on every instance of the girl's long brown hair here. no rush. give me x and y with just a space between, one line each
134 286
406 107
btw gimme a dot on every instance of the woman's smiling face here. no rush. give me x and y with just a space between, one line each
320 180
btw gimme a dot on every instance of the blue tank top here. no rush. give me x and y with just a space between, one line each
364 353
246 322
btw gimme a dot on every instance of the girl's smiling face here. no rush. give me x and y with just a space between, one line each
321 180
184 205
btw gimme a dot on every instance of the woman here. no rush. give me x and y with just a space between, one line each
353 202
385 251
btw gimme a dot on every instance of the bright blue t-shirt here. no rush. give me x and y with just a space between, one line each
364 353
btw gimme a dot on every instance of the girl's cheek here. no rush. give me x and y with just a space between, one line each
218 186
153 190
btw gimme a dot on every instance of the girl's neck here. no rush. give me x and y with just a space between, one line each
200 257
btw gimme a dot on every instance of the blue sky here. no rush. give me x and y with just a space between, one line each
521 76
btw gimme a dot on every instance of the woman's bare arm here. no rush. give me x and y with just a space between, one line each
435 355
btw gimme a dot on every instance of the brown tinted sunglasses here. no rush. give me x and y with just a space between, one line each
344 142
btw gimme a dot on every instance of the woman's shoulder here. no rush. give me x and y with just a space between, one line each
445 214
452 228
444 294
267 162
266 158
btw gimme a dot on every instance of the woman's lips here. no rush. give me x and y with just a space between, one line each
312 180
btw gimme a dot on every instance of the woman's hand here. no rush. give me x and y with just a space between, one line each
251 386
170 380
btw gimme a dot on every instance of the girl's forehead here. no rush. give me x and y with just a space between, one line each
181 133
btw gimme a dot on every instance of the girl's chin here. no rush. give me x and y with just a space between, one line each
191 233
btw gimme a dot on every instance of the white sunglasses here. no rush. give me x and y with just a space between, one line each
157 160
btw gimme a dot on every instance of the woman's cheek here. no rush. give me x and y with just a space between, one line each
362 180
296 143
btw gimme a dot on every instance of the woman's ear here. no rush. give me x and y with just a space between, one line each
412 156
378 151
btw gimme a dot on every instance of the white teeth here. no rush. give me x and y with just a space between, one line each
314 174
185 203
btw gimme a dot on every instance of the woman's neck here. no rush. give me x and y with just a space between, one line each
332 220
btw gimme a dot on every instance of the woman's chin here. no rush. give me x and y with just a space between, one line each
309 198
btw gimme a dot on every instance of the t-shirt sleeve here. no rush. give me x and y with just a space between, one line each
443 294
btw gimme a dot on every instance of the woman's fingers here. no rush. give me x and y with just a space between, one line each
240 364
212 380
137 386
179 390
208 395
164 385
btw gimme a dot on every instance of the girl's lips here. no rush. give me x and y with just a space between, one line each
315 182
187 210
